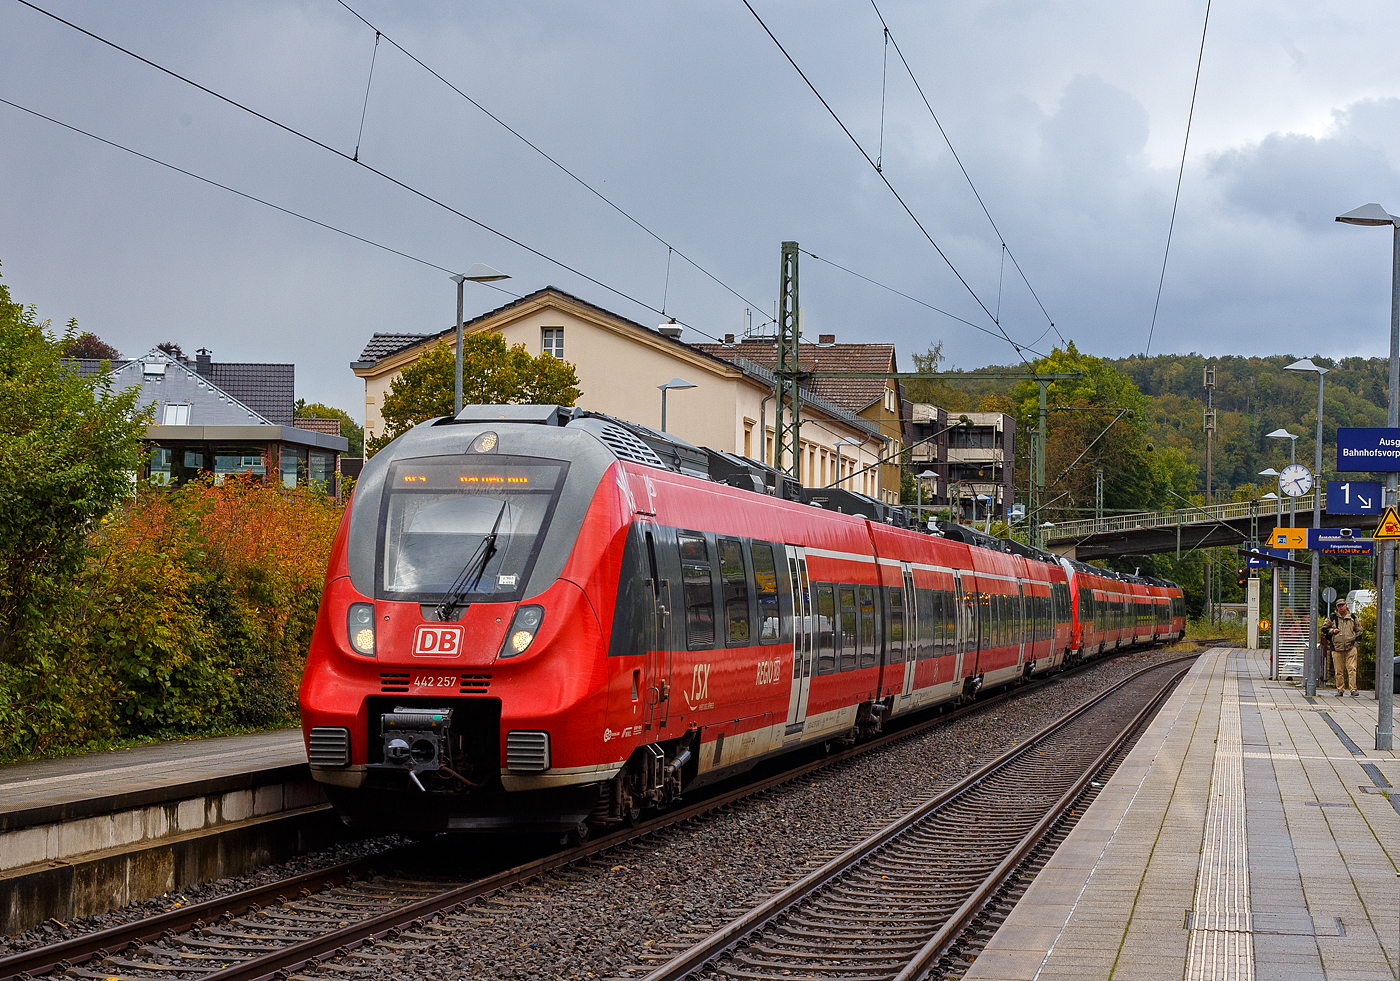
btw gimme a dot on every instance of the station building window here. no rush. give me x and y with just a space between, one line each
553 342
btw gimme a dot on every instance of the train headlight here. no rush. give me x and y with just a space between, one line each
485 443
523 627
359 625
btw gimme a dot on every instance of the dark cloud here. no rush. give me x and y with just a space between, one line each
1068 117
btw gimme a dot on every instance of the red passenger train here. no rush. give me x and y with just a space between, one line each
543 618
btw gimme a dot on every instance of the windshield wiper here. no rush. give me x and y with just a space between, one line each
473 570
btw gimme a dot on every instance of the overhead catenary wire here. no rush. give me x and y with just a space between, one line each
365 108
242 194
533 146
1171 225
968 177
922 303
897 196
359 163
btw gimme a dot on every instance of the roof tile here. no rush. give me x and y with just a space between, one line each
853 394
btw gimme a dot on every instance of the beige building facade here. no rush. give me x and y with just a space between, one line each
620 365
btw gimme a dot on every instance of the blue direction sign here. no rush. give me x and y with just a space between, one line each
1354 497
1338 541
1368 448
1257 563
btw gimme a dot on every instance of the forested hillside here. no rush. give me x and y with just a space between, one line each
1254 396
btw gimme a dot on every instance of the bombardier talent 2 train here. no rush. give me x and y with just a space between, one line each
543 618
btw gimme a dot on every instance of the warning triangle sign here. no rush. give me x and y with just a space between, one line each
1389 528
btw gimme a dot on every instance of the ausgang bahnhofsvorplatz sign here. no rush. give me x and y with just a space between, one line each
1368 448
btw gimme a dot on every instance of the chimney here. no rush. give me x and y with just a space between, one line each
204 362
826 340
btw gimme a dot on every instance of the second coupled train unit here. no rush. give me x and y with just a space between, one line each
543 618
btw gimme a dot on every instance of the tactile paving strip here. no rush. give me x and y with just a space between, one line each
1221 945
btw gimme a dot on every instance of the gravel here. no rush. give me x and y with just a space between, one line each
54 931
624 912
629 910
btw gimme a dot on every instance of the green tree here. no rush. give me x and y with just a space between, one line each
492 374
1098 421
349 428
69 447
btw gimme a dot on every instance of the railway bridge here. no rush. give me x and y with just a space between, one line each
1182 529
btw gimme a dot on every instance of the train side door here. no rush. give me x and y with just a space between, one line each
911 631
1021 621
659 644
803 627
963 636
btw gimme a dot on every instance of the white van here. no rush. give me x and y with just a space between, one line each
1359 599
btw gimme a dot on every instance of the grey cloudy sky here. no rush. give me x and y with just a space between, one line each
1068 115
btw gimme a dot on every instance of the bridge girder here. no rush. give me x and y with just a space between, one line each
1193 535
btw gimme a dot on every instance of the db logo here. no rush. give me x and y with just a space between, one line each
437 641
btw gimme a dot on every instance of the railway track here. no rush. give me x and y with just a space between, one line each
893 905
349 912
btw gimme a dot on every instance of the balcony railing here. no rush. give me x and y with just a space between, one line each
1085 527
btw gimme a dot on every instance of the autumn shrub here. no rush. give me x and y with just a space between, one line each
193 613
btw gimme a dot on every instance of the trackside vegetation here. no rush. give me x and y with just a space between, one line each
130 611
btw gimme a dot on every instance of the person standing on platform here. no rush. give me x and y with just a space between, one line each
1344 633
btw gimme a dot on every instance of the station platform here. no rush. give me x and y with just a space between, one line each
1251 833
94 783
85 834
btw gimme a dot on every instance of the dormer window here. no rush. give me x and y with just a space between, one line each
176 414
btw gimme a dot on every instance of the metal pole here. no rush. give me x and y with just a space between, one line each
1385 623
1314 660
457 397
663 408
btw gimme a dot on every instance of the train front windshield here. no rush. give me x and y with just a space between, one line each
473 526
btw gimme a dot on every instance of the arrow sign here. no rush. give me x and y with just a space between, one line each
1353 497
1389 527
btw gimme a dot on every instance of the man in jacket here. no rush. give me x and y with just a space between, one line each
1344 632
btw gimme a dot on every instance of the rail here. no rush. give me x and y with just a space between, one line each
1085 527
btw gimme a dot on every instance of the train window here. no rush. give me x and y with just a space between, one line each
847 627
894 637
765 577
699 594
867 626
950 622
826 619
735 584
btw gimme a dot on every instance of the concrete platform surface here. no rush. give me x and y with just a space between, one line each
94 782
1251 833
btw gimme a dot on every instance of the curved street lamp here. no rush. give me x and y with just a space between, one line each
673 383
1374 215
478 273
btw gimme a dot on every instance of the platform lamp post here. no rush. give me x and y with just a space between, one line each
919 481
1292 507
1314 661
1273 622
479 273
1374 214
673 383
